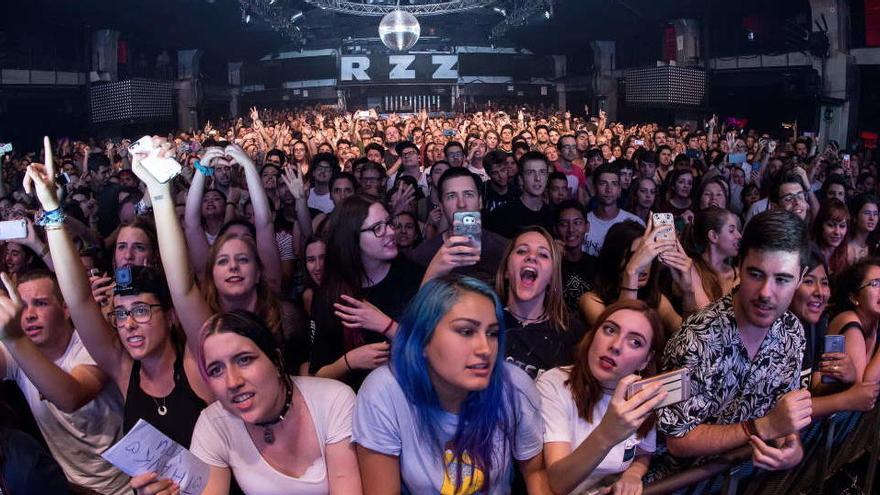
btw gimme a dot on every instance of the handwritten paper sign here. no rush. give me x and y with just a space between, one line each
145 449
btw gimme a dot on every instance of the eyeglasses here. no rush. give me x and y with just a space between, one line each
790 199
380 228
323 168
873 283
410 153
142 313
370 180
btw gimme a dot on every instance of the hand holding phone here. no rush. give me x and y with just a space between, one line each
468 224
627 412
676 383
836 366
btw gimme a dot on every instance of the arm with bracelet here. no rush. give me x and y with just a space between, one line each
196 241
191 307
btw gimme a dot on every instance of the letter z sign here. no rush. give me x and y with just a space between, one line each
393 68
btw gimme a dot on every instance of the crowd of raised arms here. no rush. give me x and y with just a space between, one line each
315 306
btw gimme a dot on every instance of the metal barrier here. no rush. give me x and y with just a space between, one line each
725 464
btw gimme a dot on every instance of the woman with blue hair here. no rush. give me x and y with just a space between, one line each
447 415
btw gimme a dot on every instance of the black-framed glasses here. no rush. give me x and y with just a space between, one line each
380 228
142 313
873 283
790 199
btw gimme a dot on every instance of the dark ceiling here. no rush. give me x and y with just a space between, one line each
217 26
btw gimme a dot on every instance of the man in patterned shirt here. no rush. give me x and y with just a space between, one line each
744 353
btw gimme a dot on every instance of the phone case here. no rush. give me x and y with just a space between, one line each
677 384
13 229
467 223
835 343
664 220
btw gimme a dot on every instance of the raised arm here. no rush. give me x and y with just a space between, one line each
192 309
68 391
96 333
196 241
263 220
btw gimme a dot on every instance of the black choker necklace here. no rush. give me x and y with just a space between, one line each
268 434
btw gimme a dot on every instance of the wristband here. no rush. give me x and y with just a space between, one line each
347 365
629 288
51 218
388 327
206 171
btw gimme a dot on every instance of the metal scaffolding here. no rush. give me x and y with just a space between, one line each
372 9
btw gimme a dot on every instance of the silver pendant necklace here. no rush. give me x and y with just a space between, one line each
160 408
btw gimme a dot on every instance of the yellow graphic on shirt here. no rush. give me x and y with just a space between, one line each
472 478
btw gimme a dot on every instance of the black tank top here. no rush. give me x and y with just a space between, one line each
182 405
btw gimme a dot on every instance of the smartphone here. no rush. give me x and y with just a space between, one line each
833 343
468 223
13 229
5 148
664 220
94 272
846 159
448 133
142 145
677 384
163 169
639 142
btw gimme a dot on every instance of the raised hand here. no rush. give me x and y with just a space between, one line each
162 149
40 177
294 182
211 153
10 311
625 416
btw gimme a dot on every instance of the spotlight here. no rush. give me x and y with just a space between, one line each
500 11
547 14
247 18
272 2
296 16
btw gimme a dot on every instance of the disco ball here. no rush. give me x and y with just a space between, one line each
399 30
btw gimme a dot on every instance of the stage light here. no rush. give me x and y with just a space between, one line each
296 16
500 11
399 30
247 18
547 14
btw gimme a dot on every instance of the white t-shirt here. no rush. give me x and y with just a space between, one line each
563 424
758 206
386 422
221 439
599 229
321 202
76 440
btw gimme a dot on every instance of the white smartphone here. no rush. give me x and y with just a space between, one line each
163 169
13 229
677 384
142 145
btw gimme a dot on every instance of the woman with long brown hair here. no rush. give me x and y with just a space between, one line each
591 429
540 330
829 234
